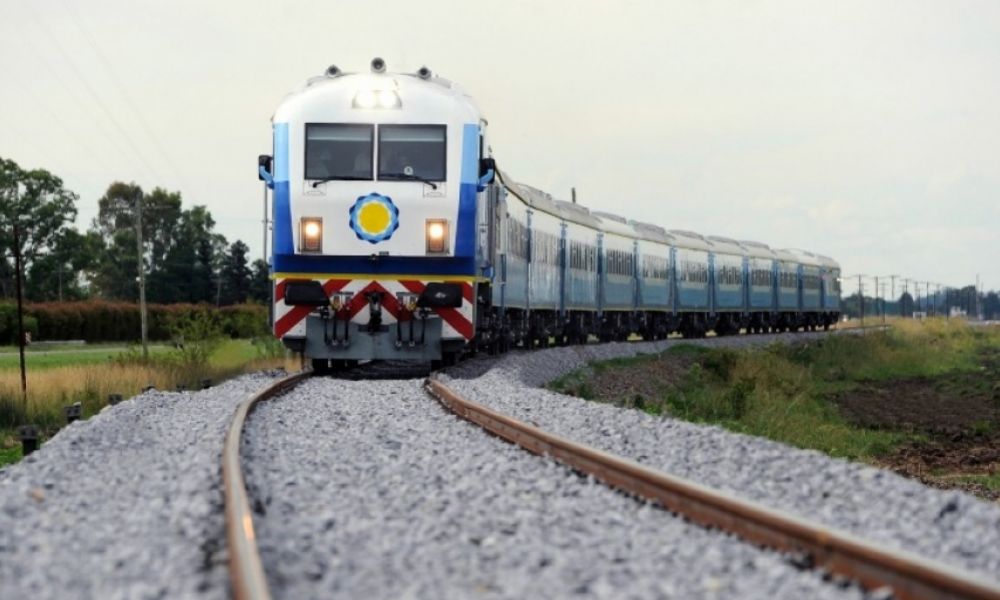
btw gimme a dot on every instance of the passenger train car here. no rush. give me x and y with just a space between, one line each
395 236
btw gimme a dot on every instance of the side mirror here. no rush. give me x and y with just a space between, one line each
485 166
263 164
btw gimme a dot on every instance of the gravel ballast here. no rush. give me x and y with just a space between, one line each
953 527
373 490
127 504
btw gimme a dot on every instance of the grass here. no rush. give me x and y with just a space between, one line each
47 357
779 392
53 387
991 482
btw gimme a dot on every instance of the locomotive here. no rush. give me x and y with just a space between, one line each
396 236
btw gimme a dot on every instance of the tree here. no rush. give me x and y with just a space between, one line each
117 269
41 207
991 306
260 286
236 275
61 273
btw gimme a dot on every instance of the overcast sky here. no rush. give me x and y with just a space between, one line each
868 131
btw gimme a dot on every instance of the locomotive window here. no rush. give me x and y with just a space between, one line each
339 151
411 152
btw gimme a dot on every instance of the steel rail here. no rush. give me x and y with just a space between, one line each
245 570
911 577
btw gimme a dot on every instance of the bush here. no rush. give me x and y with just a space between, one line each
8 325
104 321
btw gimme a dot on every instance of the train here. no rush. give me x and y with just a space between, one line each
395 235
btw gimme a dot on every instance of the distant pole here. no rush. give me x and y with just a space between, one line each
572 192
861 298
142 276
20 306
978 311
892 292
877 295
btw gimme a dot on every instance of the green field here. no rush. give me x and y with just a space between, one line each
45 356
919 398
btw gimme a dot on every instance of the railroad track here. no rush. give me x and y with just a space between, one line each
872 566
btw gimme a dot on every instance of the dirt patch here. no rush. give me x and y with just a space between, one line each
950 405
645 380
958 414
965 463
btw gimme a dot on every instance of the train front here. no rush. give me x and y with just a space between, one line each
376 179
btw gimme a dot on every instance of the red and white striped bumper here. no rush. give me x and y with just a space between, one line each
456 322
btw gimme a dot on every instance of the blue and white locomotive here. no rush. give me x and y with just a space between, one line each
395 236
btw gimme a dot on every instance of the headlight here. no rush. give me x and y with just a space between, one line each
377 99
437 235
311 234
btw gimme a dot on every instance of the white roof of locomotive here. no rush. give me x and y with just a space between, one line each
434 98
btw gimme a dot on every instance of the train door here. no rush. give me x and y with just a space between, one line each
498 244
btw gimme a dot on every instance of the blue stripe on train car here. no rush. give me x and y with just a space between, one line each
760 296
465 231
655 293
544 286
729 297
788 299
810 299
691 296
581 289
617 292
282 209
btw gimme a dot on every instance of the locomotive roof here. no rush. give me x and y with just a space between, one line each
690 239
432 97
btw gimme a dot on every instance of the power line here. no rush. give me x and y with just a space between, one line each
78 22
94 95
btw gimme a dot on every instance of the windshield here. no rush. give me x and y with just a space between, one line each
339 151
411 152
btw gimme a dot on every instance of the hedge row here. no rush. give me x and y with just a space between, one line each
101 321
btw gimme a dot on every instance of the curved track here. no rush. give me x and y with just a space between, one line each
873 566
245 570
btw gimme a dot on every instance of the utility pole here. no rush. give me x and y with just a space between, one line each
20 297
861 298
142 275
878 297
978 311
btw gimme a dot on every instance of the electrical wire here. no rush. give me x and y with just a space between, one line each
94 95
123 91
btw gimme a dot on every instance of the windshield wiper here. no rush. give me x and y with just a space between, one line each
341 178
407 176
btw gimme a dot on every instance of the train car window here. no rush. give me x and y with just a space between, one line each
411 152
339 151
